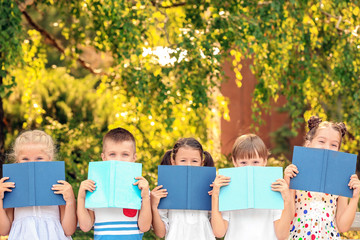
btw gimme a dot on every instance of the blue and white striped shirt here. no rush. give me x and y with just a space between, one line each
116 223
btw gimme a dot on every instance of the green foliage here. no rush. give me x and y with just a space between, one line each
10 39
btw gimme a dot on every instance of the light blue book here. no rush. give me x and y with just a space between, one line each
250 187
114 185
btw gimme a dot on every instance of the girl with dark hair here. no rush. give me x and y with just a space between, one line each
182 224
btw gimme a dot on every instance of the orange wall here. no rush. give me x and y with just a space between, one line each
240 110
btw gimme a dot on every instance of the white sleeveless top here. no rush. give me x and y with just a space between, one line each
37 223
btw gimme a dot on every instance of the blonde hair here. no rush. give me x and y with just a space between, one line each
249 146
33 137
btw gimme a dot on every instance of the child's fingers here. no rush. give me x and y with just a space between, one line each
4 179
9 184
58 192
63 182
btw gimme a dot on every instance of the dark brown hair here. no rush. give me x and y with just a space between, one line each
315 123
119 135
249 146
190 143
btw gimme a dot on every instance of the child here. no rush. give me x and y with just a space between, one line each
182 224
116 223
40 222
250 150
320 215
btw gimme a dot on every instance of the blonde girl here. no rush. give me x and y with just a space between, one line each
37 222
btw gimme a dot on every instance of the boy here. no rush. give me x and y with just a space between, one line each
116 223
250 150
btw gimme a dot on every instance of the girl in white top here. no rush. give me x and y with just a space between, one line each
40 222
182 224
255 224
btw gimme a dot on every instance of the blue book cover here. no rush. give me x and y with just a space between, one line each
250 187
33 183
322 170
187 187
114 185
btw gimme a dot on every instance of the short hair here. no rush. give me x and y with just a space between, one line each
119 135
33 137
249 146
315 123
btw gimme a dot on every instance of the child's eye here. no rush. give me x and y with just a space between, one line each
39 158
321 141
125 154
25 159
112 154
182 160
256 162
334 145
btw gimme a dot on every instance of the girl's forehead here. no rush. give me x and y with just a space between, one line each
32 146
328 132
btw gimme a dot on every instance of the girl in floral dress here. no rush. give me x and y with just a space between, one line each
321 215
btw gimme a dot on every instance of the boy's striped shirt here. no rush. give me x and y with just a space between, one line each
116 223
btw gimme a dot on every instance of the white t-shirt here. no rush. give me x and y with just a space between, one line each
254 224
187 224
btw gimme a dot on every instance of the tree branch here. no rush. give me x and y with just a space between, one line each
52 41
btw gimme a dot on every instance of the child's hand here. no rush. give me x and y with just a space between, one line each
5 186
156 194
281 186
355 185
65 189
290 172
219 181
86 185
143 185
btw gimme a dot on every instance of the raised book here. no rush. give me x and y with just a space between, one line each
250 187
322 170
33 183
187 187
114 181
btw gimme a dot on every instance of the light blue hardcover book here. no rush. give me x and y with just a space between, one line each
114 185
250 187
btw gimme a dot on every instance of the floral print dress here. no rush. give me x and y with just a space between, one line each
314 216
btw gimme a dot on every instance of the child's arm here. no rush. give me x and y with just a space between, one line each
218 224
282 226
68 212
144 221
345 212
6 215
157 223
86 217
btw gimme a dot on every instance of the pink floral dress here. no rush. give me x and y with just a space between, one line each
314 216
